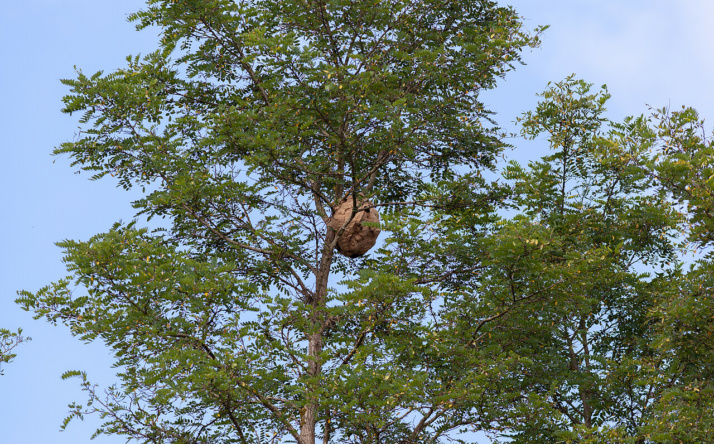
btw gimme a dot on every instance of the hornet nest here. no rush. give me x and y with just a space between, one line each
356 239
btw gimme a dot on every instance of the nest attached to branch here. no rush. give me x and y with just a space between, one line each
356 239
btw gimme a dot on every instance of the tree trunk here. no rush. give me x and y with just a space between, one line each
309 412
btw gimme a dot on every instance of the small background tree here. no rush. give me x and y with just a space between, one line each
8 341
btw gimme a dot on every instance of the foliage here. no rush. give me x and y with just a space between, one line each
237 322
683 166
587 221
551 305
8 341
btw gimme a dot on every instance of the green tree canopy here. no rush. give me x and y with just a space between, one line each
547 306
249 125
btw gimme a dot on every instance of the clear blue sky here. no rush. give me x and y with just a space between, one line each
656 52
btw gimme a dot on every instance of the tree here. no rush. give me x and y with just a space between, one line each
236 320
550 305
684 169
8 341
619 345
587 222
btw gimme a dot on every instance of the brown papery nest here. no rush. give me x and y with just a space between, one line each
356 239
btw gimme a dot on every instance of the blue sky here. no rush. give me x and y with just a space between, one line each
656 52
